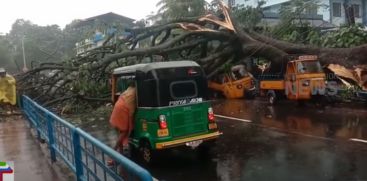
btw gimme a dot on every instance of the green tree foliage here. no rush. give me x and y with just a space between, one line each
345 37
72 35
175 9
41 43
248 16
44 43
293 12
6 60
293 27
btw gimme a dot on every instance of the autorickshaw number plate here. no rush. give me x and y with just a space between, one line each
162 132
213 126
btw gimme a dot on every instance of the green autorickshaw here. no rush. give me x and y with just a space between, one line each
172 106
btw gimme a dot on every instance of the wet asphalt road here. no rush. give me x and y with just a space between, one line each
282 142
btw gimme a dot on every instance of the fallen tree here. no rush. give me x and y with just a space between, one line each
212 40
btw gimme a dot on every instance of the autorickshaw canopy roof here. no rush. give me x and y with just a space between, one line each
151 66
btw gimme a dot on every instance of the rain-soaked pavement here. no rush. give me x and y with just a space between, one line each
282 142
18 145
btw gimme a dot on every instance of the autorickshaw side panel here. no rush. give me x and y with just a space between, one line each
233 89
182 121
215 86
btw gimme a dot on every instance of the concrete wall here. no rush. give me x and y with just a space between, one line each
324 10
241 2
244 2
273 9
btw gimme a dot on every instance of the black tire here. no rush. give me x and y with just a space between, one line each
272 98
249 94
146 154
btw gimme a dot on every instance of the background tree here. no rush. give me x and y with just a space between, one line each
6 58
345 37
175 9
248 16
293 26
41 43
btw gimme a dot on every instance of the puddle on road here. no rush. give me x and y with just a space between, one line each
330 122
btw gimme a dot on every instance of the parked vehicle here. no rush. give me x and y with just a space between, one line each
172 107
236 84
302 80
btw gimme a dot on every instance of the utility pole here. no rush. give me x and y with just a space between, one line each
25 69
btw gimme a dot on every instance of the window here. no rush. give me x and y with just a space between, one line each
309 67
356 10
337 9
183 89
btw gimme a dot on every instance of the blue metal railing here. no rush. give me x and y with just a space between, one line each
83 154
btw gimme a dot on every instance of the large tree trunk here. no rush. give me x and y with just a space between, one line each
348 57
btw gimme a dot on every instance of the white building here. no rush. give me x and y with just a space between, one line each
335 12
330 10
313 16
232 3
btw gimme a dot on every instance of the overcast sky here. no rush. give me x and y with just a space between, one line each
62 12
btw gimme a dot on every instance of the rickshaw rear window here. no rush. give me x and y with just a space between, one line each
159 87
183 89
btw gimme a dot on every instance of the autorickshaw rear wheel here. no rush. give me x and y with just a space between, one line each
146 153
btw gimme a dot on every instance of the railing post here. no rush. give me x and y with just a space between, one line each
36 119
26 110
77 156
19 101
51 137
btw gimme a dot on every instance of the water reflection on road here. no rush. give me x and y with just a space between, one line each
329 122
283 142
